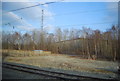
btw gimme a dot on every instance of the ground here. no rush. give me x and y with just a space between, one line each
68 63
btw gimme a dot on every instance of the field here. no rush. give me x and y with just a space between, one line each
60 61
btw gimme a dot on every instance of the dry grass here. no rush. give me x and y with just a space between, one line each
21 53
65 62
61 61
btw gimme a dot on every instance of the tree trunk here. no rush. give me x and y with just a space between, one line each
95 49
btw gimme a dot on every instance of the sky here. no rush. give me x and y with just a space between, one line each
65 15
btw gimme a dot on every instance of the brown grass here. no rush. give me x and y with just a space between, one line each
22 53
58 61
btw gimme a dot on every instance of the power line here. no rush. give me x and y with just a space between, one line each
12 21
42 18
21 21
84 24
78 12
64 25
31 6
74 13
57 15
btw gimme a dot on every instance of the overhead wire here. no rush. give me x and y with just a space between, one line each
73 13
82 24
12 21
26 8
31 6
79 12
60 14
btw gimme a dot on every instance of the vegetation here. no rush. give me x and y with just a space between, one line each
88 43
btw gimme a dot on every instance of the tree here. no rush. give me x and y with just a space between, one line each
114 31
97 39
26 41
86 34
58 34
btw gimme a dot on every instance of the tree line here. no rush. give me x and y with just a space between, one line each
86 42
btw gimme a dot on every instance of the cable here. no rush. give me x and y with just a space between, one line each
26 8
30 6
16 25
12 21
71 13
74 13
57 15
79 12
84 24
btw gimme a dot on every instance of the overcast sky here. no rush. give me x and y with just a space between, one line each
66 15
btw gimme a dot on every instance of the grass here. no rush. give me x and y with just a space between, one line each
11 59
23 53
56 61
102 71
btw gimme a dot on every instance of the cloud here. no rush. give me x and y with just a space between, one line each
25 28
16 21
9 16
49 28
29 13
30 16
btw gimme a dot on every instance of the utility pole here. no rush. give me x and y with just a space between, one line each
42 32
42 27
42 20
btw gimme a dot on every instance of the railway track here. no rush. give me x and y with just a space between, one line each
47 73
